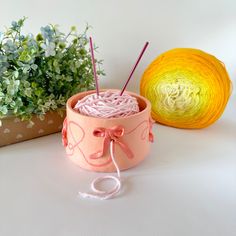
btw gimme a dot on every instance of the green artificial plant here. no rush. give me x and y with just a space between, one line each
38 74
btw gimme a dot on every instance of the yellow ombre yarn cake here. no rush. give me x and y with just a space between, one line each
187 88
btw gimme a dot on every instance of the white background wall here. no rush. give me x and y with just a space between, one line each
120 28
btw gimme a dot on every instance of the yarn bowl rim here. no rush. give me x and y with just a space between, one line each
73 99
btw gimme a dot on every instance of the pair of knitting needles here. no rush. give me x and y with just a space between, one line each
130 75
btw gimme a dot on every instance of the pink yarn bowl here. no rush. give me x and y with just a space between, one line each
80 142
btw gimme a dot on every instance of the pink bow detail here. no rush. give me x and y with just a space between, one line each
64 133
151 136
114 133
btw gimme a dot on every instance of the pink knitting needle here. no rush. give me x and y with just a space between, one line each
94 66
139 58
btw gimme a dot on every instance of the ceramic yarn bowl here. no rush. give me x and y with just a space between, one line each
80 141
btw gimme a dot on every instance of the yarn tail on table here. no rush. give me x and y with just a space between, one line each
100 194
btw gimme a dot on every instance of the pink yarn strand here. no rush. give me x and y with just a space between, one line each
100 194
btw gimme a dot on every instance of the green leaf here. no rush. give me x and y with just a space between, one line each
28 92
16 74
3 110
39 92
26 69
73 28
26 84
34 85
34 66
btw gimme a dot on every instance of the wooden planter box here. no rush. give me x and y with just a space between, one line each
13 130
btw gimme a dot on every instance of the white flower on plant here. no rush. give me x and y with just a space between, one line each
49 48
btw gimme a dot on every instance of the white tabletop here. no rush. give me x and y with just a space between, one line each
187 186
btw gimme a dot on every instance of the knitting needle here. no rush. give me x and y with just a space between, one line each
132 71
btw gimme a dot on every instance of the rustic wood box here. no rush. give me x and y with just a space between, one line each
13 130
